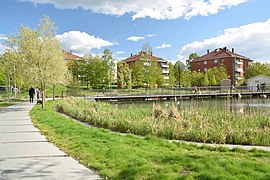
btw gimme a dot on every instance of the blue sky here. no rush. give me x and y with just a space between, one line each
174 28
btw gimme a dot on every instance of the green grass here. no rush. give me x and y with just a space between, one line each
193 124
9 103
117 156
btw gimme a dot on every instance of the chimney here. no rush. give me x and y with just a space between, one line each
131 55
207 51
70 52
232 50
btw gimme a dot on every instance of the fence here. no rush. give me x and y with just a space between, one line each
162 91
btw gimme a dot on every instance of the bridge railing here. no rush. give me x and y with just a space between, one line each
165 91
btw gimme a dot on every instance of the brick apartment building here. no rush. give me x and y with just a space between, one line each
142 56
235 64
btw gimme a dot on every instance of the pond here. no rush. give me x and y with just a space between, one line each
222 104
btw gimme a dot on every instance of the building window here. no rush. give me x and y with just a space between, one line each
205 62
205 69
215 61
222 60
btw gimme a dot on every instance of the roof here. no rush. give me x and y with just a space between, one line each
220 53
69 55
255 77
143 56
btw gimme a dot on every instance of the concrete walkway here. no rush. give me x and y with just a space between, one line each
26 154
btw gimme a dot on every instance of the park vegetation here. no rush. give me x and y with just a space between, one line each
116 156
199 124
34 57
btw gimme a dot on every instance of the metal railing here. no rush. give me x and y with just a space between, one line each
166 91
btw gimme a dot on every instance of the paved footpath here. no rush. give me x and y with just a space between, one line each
26 154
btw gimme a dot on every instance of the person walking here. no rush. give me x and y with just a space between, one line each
31 94
38 93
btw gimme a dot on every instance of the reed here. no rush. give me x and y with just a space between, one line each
194 124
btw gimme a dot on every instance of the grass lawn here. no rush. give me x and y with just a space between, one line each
116 156
8 103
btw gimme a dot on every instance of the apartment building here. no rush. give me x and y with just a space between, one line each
235 64
70 55
142 56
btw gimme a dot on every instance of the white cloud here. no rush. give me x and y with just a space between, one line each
155 9
135 38
252 40
119 52
151 35
81 42
3 37
162 46
2 48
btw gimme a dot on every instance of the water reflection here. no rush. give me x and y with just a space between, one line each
236 105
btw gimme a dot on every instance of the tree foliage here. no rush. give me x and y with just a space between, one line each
154 75
73 68
147 48
197 78
258 68
109 64
124 75
40 54
138 74
93 71
191 57
172 79
179 67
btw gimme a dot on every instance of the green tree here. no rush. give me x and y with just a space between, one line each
191 57
2 76
258 68
154 75
172 79
40 54
124 75
138 74
109 64
214 81
147 48
73 68
216 74
197 78
205 80
93 71
186 78
179 67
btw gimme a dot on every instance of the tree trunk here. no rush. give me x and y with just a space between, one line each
43 94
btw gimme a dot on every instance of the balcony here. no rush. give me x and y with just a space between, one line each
165 71
237 69
166 77
239 62
164 65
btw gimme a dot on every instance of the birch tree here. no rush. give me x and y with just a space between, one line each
41 54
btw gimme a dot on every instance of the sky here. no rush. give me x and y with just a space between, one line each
174 28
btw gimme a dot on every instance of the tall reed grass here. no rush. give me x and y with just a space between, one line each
194 124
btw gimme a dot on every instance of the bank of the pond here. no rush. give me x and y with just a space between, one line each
199 125
128 157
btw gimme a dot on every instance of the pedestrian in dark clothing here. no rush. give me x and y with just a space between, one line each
258 87
31 94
